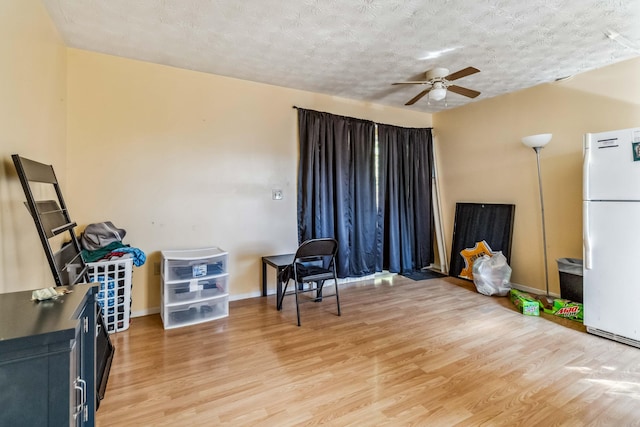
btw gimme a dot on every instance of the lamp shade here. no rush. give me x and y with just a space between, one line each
537 141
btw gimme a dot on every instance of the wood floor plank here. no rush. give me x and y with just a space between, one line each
403 352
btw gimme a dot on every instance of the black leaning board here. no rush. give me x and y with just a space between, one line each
475 222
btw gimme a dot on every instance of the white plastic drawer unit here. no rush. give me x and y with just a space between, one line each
195 286
194 290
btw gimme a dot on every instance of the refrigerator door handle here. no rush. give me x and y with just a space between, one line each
585 167
586 241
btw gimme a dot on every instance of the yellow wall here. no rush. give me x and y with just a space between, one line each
481 159
182 159
32 124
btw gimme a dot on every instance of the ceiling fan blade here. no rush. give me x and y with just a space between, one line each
412 83
417 97
463 91
462 73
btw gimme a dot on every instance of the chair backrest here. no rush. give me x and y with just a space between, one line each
318 248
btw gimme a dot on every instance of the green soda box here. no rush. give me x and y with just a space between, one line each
568 309
525 303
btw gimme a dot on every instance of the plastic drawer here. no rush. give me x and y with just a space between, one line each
189 314
193 290
186 269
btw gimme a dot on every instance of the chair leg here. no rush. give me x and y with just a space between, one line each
335 283
297 304
284 291
319 285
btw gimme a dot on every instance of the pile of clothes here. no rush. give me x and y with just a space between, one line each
103 242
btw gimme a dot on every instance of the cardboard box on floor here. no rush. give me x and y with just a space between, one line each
526 304
568 309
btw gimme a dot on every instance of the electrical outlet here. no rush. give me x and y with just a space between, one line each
156 268
276 194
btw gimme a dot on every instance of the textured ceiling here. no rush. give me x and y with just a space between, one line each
356 48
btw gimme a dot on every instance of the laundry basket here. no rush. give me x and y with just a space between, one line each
114 295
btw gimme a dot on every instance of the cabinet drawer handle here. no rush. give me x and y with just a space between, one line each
80 385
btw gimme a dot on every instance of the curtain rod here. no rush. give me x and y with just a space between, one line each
295 107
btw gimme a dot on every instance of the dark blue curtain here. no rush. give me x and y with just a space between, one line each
336 187
389 227
405 212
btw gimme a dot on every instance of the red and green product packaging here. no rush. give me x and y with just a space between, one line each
568 309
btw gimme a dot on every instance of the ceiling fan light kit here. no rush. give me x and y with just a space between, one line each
439 80
438 91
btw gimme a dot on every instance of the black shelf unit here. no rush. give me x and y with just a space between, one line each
51 218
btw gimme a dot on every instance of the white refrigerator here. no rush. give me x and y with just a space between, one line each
611 235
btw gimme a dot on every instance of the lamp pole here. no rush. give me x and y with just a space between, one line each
537 142
544 230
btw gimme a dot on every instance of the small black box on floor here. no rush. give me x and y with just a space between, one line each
571 286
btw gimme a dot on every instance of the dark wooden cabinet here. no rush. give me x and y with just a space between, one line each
48 359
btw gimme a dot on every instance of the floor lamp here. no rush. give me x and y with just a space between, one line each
537 142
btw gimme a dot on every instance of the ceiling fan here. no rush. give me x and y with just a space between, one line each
439 80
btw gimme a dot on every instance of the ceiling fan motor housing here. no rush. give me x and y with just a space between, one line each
437 73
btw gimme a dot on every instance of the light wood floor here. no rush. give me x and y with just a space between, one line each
422 353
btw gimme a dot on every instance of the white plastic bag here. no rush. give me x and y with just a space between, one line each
491 274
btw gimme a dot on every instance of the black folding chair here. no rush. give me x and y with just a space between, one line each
313 263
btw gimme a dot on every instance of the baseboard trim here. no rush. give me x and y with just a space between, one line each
248 295
256 294
145 312
531 290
